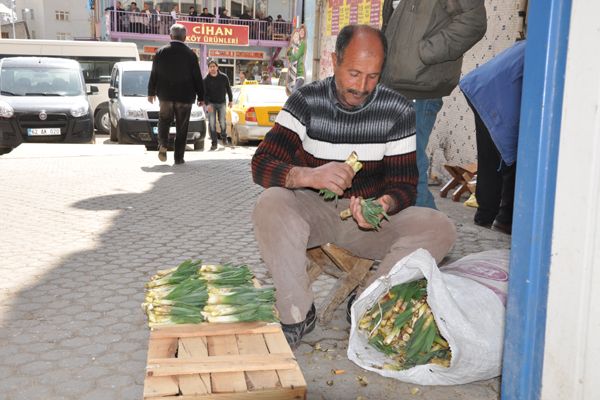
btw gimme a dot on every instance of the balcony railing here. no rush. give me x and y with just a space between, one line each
139 25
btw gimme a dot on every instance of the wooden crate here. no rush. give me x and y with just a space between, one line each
250 360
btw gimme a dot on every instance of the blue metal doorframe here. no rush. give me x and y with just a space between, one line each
541 111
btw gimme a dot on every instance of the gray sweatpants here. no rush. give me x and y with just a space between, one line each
288 222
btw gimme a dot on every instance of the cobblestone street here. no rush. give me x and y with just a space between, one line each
83 227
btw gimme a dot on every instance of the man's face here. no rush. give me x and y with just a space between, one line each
358 73
205 10
213 69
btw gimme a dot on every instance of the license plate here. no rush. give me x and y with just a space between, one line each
43 131
272 117
172 129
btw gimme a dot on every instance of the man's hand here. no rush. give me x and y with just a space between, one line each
200 103
356 209
230 104
151 99
335 176
209 108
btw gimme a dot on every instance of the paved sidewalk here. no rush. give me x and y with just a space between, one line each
83 227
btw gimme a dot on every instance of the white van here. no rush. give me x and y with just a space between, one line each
96 60
43 100
135 120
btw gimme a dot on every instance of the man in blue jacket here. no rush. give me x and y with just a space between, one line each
177 81
493 91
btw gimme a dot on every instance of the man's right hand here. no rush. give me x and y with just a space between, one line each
151 99
335 176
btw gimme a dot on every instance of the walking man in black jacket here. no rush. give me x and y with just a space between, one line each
216 86
176 80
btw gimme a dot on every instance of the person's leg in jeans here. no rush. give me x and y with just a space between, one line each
489 176
426 111
221 108
212 124
182 121
165 117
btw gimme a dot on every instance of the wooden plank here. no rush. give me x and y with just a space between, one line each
220 346
289 378
298 393
342 258
223 363
162 348
213 329
342 288
196 383
255 344
158 386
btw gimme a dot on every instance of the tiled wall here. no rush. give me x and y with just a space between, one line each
453 138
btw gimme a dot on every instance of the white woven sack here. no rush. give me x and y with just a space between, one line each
469 316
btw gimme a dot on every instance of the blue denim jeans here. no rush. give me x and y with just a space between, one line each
426 111
218 111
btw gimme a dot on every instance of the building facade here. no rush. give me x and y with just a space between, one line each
56 19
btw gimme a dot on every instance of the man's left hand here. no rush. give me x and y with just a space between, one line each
357 214
230 104
151 99
200 103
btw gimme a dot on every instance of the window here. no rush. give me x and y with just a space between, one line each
96 70
62 15
63 36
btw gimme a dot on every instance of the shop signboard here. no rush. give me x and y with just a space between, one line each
218 34
239 54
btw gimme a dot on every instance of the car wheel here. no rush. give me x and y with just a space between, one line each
199 144
5 150
113 133
235 137
122 137
102 121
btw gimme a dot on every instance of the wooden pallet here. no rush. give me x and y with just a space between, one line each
250 360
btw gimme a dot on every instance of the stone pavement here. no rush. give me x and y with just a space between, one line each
83 227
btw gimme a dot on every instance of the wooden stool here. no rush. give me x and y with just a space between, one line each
349 270
461 177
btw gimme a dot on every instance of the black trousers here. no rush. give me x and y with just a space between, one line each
495 190
181 112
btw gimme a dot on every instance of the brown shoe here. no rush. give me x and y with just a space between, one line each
162 153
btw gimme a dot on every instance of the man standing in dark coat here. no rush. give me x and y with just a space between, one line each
177 81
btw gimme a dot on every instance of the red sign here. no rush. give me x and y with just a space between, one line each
150 49
248 55
231 35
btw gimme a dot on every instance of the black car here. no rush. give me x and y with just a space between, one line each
43 100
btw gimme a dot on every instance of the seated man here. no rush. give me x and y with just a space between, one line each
318 127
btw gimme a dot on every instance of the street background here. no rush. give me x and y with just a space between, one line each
83 227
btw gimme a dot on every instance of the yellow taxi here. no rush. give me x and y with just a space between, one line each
253 111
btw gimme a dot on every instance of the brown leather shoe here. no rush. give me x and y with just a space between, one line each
162 153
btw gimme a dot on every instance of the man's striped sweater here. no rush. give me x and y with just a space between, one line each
313 128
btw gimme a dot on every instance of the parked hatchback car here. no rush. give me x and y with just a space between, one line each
254 110
133 119
43 100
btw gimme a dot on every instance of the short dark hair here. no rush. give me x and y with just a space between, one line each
212 61
347 33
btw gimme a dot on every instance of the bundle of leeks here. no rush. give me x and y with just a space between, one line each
195 292
402 326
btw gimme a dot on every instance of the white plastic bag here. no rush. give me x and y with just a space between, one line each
469 316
